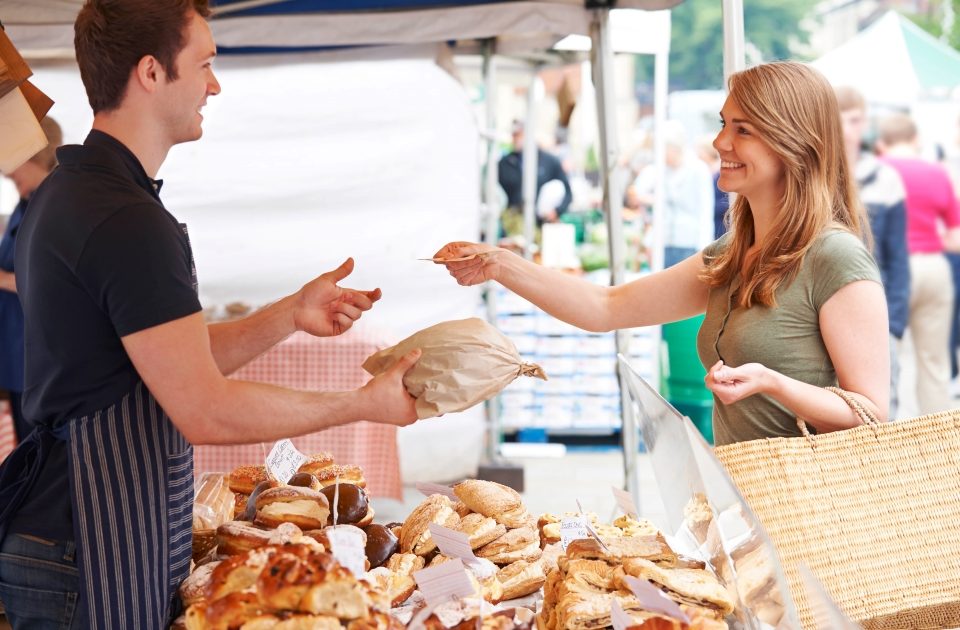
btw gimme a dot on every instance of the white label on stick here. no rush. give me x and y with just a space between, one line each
347 546
284 460
444 582
452 544
651 598
572 528
618 618
429 489
625 502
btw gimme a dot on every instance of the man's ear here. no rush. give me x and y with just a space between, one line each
149 73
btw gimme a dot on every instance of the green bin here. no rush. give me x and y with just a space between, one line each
681 374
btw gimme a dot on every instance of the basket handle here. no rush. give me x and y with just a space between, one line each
866 416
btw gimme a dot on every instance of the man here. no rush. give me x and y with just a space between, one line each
553 187
931 206
882 193
122 374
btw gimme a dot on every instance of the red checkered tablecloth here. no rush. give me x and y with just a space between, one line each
321 364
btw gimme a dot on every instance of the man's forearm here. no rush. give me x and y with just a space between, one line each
236 343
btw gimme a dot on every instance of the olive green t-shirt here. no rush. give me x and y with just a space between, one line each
785 338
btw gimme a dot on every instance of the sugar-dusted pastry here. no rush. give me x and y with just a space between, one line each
415 534
521 578
480 529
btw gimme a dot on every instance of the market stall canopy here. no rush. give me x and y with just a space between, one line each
44 28
894 62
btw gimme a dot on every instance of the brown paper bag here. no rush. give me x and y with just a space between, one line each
464 362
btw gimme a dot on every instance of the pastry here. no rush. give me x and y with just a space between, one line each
345 474
316 463
381 544
521 578
236 537
695 587
480 529
250 504
304 480
405 563
516 544
653 548
495 500
415 533
352 503
243 479
398 586
194 588
308 509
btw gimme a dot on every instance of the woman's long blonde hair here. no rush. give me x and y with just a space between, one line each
794 110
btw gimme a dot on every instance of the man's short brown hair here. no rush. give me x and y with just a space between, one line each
112 36
848 98
896 129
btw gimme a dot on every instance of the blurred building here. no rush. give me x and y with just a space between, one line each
833 22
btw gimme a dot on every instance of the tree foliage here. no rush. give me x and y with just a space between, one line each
771 28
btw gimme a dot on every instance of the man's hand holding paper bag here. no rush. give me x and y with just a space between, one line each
463 362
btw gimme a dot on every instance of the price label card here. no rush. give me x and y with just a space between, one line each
435 488
444 582
284 460
452 544
618 618
572 528
625 502
652 598
347 546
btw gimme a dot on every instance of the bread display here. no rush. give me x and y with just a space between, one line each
276 570
580 592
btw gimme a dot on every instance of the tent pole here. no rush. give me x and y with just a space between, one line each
530 165
734 58
491 204
601 58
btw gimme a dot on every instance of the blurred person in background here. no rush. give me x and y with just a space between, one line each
688 215
882 193
26 178
553 188
721 199
931 208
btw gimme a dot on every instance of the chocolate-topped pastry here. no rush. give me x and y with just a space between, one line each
304 480
381 544
352 503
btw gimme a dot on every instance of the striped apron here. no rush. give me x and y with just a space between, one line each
131 488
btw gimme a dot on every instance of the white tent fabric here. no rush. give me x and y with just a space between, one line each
886 62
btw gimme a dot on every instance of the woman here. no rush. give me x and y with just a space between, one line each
792 296
26 178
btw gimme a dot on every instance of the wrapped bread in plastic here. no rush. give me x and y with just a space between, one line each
464 362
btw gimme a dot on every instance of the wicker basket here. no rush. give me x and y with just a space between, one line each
873 511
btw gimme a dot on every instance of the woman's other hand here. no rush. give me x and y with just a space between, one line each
732 384
470 263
